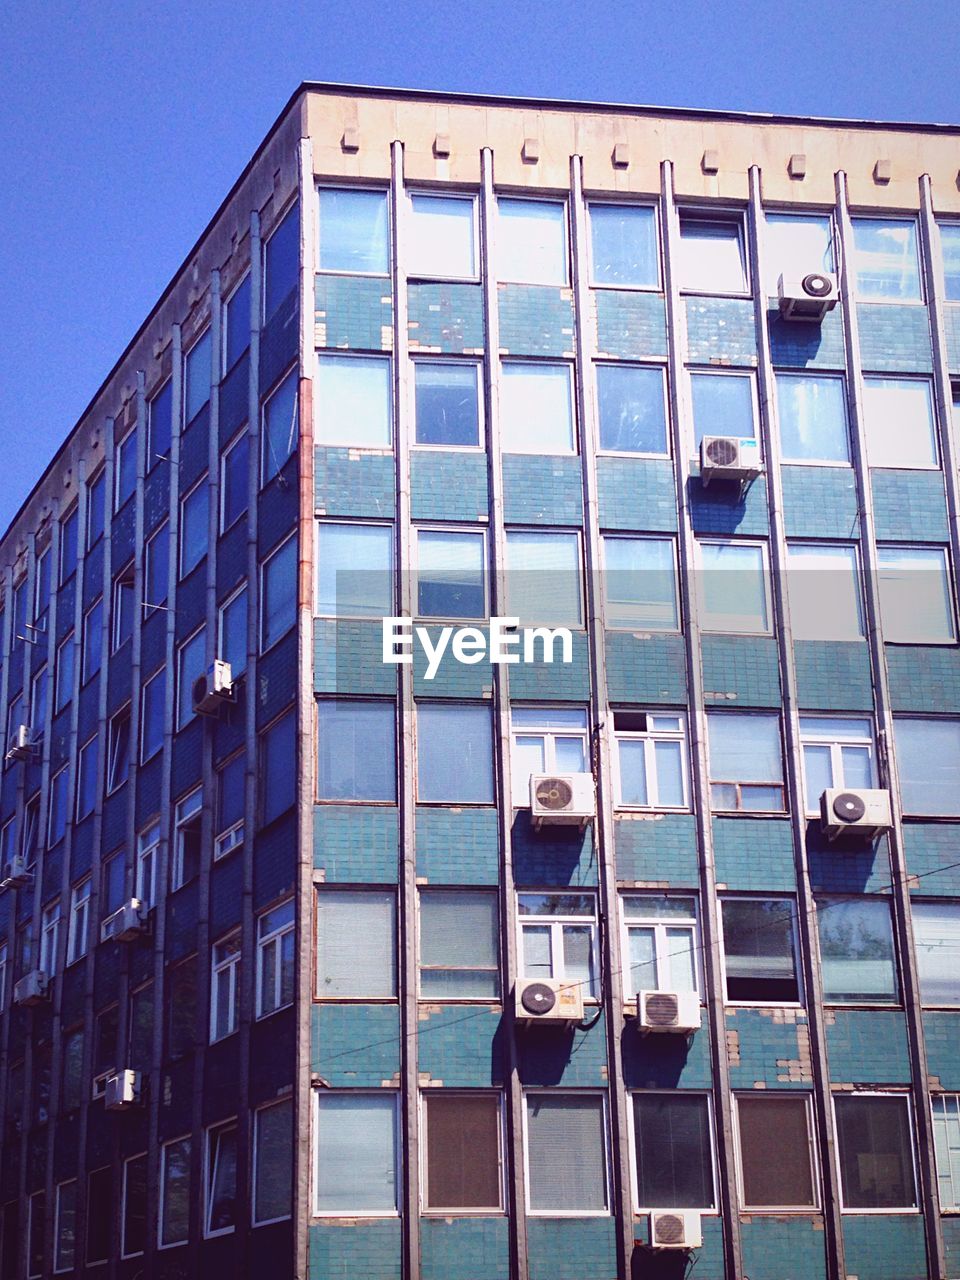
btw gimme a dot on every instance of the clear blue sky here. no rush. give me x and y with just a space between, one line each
124 125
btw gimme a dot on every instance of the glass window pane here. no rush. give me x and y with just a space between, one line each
928 759
624 243
281 263
915 602
531 241
537 951
353 231
566 1153
356 1157
233 480
192 664
818 772
236 324
885 258
233 633
681 959
175 1189
630 407
723 405
280 427
450 575
898 417
463 1150
758 950
856 950
876 1160
633 772
354 570
733 587
194 531
950 247
279 604
712 258
668 757
356 943
643 976
813 418
937 937
946 1132
196 389
536 408
543 577
447 404
570 754
674 1161
458 944
354 401
161 418
273 1173
578 954
641 583
775 1153
442 239
356 757
795 246
454 754
824 590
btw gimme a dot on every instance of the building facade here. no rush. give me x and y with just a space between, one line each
276 940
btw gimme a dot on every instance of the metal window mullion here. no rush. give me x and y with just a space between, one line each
923 1146
510 941
806 923
699 776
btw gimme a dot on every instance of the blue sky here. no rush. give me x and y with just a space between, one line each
124 125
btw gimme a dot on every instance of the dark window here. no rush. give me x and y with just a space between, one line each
92 641
38 1220
273 1162
118 750
233 480
69 532
113 875
181 996
42 592
463 1150
454 754
281 262
775 1152
151 715
125 468
876 1154
99 1214
140 1030
156 568
236 324
161 425
96 499
278 772
674 1161
122 607
105 1056
66 659
196 377
134 1206
73 1091
759 952
856 950
278 607
194 531
280 427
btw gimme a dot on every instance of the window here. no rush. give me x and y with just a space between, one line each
354 570
277 769
838 752
236 324
8 841
899 423
734 587
148 855
546 740
442 238
355 1170
776 1153
353 232
459 945
624 245
65 1230
78 935
661 944
96 508
125 468
196 377
232 632
281 262
174 1192
856 951
191 663
356 757
194 518
447 403
536 408
73 1093
640 582
558 938
272 1162
936 930
58 807
31 829
3 976
187 819
354 401
151 715
234 471
92 641
824 590
140 1027
41 586
37 1208
759 949
231 802
795 246
723 404
69 538
356 944
38 700
160 423
946 1136
916 605
133 1240
15 717
712 256
950 249
566 1153
463 775
49 937
885 259
113 873
99 1214
451 577
225 988
674 1155
280 427
180 1013
278 598
531 241
928 755
86 778
543 577
812 411
220 1201
462 1161
875 1151
275 959
156 568
631 408
122 608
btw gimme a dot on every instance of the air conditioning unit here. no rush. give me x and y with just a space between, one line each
15 873
668 1010
122 1090
550 1001
213 689
729 458
864 812
32 988
675 1229
126 924
21 744
562 799
807 297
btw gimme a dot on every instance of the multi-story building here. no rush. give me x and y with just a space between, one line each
300 974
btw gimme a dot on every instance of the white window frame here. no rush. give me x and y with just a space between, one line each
658 238
78 934
556 923
409 216
642 1210
148 856
224 983
380 357
521 792
836 743
180 817
49 938
209 1174
796 267
161 1207
946 1175
649 738
602 363
793 1094
726 217
820 375
539 198
879 215
272 939
605 1127
899 463
513 362
795 940
356 524
660 925
143 1155
580 624
315 1210
424 357
343 187
422 1109
702 611
232 837
879 1093
724 372
809 546
610 606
